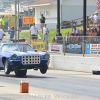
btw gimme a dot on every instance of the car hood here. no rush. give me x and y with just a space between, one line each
29 53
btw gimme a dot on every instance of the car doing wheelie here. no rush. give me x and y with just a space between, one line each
21 57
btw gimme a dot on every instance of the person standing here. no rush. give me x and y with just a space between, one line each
11 32
42 21
34 32
2 21
20 23
1 33
45 32
96 18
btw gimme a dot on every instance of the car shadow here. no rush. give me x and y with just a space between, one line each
1 86
27 76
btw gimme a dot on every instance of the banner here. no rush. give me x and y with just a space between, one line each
28 19
74 48
92 48
57 48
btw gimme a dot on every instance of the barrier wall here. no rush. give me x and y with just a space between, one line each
73 63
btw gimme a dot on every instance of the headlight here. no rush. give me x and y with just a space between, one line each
42 57
47 56
14 56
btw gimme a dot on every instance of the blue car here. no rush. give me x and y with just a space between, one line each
21 57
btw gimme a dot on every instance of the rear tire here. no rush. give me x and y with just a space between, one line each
7 67
20 72
43 69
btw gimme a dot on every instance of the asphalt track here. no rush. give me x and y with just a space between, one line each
77 83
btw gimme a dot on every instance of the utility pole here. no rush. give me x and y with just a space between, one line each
15 20
58 14
28 15
18 19
84 16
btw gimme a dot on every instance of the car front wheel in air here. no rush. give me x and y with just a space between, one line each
20 72
7 67
43 69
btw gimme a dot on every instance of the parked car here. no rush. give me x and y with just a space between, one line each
19 57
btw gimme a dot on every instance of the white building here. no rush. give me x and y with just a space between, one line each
70 10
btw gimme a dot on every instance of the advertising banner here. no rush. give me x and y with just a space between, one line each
28 19
92 48
74 48
56 48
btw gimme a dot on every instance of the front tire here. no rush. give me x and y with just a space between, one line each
43 69
20 72
7 67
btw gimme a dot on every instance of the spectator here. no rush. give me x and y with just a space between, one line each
92 18
98 30
90 33
42 21
75 31
58 37
45 32
11 32
1 33
34 32
95 32
20 23
2 21
96 18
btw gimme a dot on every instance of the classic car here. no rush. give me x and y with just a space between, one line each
20 57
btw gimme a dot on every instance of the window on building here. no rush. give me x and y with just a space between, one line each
42 12
47 13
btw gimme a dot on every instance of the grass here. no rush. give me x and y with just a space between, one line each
52 33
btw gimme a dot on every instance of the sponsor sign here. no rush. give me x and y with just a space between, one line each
28 19
57 48
92 48
74 48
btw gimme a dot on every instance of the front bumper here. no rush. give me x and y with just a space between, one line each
18 63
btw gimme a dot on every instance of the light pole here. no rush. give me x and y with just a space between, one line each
58 14
84 16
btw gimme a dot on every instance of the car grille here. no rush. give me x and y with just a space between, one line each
31 59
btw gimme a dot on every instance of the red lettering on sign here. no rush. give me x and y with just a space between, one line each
55 47
94 46
99 46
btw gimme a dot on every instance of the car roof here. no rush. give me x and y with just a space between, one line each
15 43
1 44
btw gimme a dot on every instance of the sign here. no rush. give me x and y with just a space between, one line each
92 48
40 46
57 48
28 19
74 48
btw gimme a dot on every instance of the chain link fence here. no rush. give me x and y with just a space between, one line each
67 45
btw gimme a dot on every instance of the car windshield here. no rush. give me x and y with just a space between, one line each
17 47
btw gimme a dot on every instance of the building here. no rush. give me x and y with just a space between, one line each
70 10
9 5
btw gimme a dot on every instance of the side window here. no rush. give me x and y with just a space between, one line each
21 49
